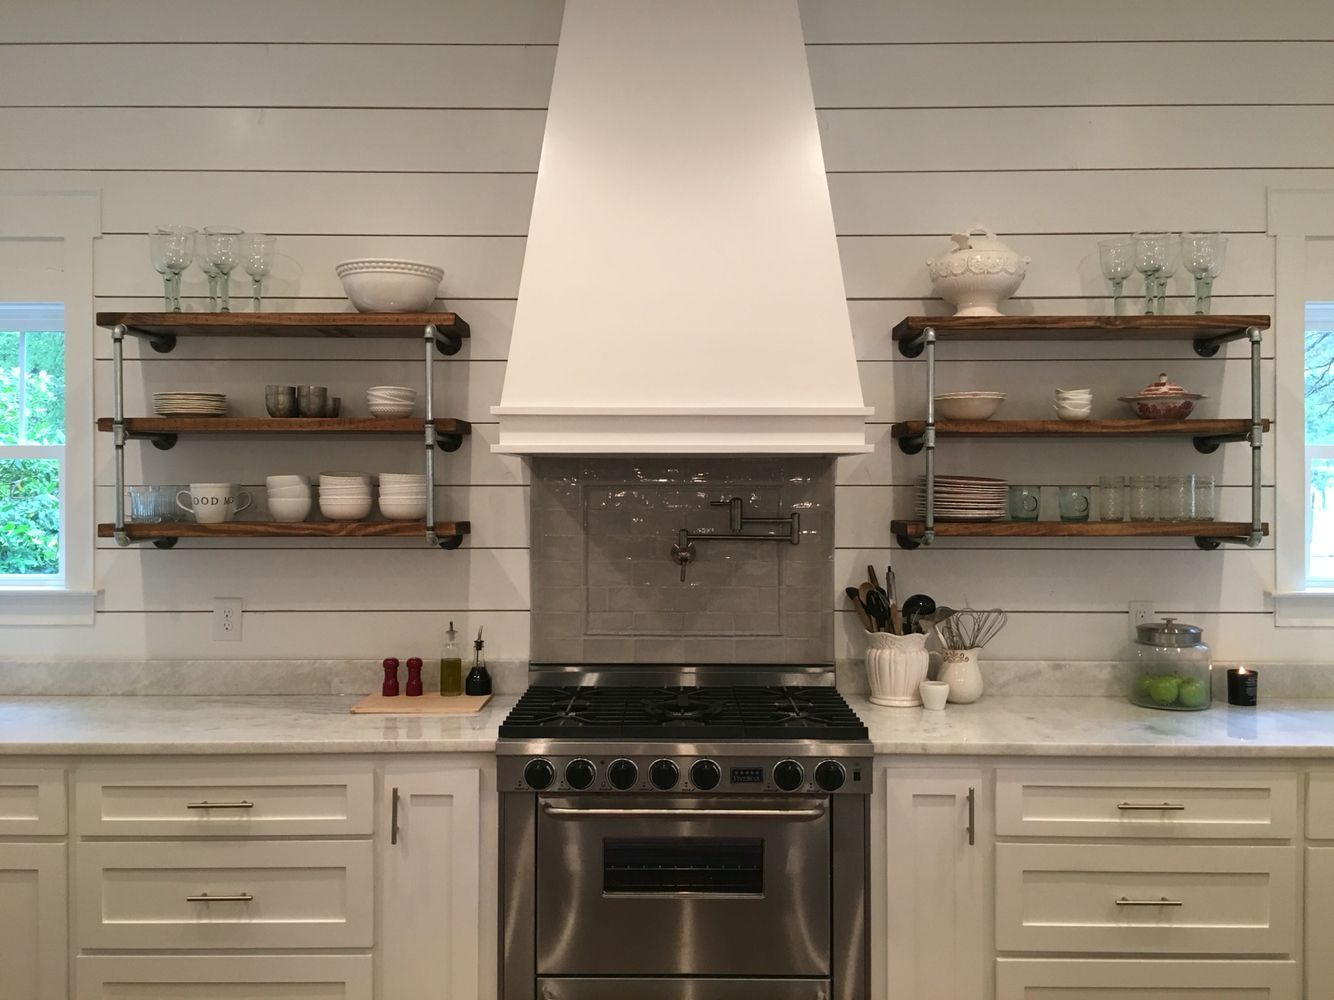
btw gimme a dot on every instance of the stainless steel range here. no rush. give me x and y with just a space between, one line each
702 842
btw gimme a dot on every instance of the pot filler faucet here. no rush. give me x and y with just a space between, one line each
683 550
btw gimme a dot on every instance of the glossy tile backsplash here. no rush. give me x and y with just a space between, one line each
605 588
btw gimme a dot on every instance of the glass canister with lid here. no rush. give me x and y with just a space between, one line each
1170 667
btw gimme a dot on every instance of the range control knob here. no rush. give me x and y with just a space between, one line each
539 774
705 775
579 774
788 775
830 775
664 774
622 773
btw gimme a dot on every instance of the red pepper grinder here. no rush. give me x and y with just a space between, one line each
414 677
390 686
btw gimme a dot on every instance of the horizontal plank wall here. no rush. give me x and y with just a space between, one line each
414 129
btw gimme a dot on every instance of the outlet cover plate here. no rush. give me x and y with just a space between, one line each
226 619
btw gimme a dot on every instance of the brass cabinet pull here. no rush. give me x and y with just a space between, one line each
243 804
235 897
1164 901
1150 806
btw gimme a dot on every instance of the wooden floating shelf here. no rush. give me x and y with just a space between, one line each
1233 530
163 328
1207 434
170 532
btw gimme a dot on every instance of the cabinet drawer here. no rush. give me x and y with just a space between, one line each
303 894
242 800
1105 898
1320 805
1181 979
1139 803
233 977
32 802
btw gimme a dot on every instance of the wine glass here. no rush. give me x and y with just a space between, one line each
1165 273
222 249
1117 257
1151 254
257 255
1203 255
171 249
212 273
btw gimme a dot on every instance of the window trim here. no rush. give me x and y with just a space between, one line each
1295 217
74 219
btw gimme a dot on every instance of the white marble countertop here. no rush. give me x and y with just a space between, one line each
1101 727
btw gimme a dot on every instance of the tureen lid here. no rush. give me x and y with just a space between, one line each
1163 386
978 237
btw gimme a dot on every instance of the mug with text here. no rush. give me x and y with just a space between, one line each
213 503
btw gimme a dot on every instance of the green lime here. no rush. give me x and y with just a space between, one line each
1164 690
1194 693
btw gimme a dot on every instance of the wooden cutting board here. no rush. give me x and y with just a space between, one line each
426 704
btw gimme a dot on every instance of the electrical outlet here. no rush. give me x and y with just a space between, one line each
226 619
1140 612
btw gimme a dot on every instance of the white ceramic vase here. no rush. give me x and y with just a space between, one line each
896 666
959 670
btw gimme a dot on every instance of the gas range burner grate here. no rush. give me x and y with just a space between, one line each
727 713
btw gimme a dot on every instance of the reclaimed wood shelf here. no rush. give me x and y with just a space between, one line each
1207 435
162 329
1205 533
1206 333
166 534
163 431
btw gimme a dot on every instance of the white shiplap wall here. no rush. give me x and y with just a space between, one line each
413 129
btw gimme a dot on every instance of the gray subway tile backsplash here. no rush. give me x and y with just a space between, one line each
606 588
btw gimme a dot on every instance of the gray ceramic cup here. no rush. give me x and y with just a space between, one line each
280 400
312 400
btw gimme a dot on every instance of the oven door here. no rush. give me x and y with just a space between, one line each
680 886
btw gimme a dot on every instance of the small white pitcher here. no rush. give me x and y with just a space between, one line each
959 670
896 666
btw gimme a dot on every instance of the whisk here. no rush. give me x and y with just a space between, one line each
968 628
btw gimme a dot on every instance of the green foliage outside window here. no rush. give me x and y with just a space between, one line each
30 487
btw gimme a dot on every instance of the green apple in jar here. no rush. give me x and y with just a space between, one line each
1143 686
1164 690
1193 693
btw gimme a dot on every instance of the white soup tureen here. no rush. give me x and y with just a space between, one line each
977 274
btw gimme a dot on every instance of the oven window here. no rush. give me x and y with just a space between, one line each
677 865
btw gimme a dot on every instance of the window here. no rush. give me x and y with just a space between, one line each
1318 397
32 443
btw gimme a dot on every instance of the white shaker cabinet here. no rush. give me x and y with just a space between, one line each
935 851
33 935
438 858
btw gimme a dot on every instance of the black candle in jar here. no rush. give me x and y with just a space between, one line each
1243 687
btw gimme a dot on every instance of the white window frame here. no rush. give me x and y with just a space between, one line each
1295 218
73 220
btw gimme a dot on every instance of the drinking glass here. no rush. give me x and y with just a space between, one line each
1025 503
1111 498
257 255
1165 273
171 249
212 274
222 249
1205 498
1203 255
1176 498
1074 503
1117 257
1151 256
1142 498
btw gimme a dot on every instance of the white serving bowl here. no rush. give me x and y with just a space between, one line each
391 411
1065 414
344 478
403 510
272 481
387 284
1066 393
289 509
288 492
393 391
345 510
401 478
968 405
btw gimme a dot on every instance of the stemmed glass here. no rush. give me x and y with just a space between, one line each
212 273
1117 257
1203 255
1151 257
222 250
171 249
1166 272
257 254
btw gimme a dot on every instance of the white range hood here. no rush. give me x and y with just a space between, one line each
681 289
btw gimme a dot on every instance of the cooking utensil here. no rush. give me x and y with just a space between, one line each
860 608
914 608
968 628
875 606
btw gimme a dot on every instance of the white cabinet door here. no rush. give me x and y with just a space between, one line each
223 977
1319 922
935 847
32 922
1117 979
430 889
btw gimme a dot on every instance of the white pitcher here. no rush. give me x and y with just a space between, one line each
960 671
896 666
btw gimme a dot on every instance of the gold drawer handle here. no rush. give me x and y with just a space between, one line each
1150 806
1164 901
236 897
243 804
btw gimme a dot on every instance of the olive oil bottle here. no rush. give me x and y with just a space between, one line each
451 665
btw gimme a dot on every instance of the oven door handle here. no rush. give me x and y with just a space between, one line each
817 812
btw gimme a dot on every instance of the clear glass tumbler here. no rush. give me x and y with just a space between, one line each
1112 498
1142 504
1176 498
1206 498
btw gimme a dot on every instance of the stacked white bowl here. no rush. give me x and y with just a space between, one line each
345 496
402 496
1073 404
288 497
391 401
